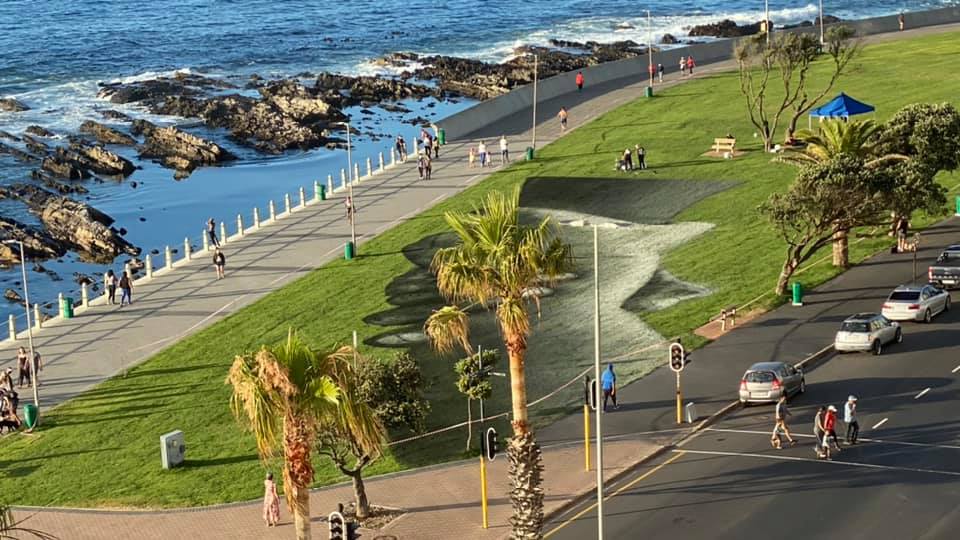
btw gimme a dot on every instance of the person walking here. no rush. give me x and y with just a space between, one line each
641 157
402 148
651 71
690 65
780 423
427 166
627 160
482 151
850 418
504 150
6 379
608 381
348 205
23 368
579 81
212 233
818 430
562 115
110 282
126 289
660 73
472 157
683 66
903 228
271 502
829 430
421 164
219 262
435 141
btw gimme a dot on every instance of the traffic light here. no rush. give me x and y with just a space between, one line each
490 444
592 394
352 528
338 526
678 358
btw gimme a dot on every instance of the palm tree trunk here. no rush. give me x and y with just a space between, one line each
523 452
301 512
516 353
360 493
298 471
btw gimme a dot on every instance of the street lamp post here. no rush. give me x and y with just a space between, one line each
533 141
26 299
766 19
821 23
353 203
649 51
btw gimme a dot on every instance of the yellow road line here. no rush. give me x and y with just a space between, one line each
635 481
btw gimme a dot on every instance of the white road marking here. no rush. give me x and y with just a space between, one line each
860 439
782 457
956 369
880 423
921 394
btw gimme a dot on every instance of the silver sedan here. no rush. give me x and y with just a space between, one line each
916 303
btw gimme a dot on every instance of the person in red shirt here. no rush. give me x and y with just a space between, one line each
829 429
690 65
579 80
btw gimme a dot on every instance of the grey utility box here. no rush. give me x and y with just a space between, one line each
172 449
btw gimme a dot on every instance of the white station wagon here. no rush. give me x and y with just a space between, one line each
916 303
867 332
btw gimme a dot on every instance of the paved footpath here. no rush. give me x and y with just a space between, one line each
83 351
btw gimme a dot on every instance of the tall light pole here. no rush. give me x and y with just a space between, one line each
26 299
353 203
596 375
766 19
533 141
821 23
650 49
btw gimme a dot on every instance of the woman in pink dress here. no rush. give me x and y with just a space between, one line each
271 502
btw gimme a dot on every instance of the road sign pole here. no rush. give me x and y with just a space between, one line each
596 371
586 437
483 489
679 401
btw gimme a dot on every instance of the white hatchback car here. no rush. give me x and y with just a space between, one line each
867 332
916 303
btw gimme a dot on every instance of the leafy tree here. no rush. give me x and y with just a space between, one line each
785 62
281 393
825 199
474 382
499 263
395 391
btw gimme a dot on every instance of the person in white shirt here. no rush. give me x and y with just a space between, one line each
482 150
850 418
504 150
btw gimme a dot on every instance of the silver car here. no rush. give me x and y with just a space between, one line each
916 303
867 332
765 382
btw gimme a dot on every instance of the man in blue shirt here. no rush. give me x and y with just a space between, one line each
608 381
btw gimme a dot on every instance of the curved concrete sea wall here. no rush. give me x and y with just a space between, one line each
631 70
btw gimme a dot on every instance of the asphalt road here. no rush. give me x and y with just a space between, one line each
902 481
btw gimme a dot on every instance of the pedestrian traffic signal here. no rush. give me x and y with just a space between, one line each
592 394
338 526
678 358
352 528
490 444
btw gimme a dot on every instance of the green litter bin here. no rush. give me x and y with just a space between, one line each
67 311
529 153
958 206
30 415
348 251
649 92
442 135
797 294
323 192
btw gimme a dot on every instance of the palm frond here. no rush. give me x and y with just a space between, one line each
448 327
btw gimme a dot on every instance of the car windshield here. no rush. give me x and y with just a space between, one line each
949 257
759 377
850 326
905 295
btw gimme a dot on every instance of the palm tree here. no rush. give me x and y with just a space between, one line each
835 137
281 393
499 263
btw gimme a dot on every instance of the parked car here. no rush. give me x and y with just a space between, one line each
916 303
945 272
867 332
765 382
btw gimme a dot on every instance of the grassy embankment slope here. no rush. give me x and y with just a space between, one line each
101 449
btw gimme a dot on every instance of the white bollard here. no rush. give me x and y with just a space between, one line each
169 257
59 303
105 288
12 327
126 270
381 161
223 233
272 211
239 225
329 185
369 167
393 157
186 249
286 203
356 172
37 323
303 197
206 241
148 263
316 188
256 218
343 178
85 296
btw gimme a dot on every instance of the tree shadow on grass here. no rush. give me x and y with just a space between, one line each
199 463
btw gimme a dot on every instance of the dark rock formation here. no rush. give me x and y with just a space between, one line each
40 131
37 244
12 105
61 167
669 39
18 154
12 295
78 160
154 91
7 135
35 146
111 114
106 134
178 149
724 29
73 223
60 187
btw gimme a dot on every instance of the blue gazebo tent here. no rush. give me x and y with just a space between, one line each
842 106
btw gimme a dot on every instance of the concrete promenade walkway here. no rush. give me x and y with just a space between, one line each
441 501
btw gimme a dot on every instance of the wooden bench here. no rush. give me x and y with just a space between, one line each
723 145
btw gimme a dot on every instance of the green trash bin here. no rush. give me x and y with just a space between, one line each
348 252
797 294
30 415
958 206
442 135
323 192
529 153
67 312
649 92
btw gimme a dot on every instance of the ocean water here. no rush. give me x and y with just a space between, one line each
53 54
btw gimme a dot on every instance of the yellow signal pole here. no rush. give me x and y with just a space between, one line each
679 401
586 437
483 490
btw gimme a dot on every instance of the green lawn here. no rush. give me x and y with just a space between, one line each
102 448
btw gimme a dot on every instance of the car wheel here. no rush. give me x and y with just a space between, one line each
877 348
899 337
946 305
927 317
803 386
